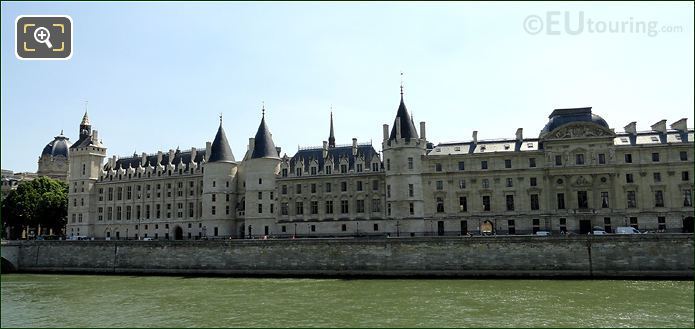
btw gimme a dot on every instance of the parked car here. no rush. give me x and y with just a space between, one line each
543 233
598 230
147 239
627 230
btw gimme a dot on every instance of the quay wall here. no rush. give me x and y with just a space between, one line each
643 256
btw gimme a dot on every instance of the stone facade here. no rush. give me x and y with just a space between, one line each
576 175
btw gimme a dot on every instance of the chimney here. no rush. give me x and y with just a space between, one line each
680 125
208 148
143 159
95 136
252 143
631 128
171 156
475 137
386 131
520 135
113 161
325 149
354 146
422 131
194 152
159 157
398 128
660 126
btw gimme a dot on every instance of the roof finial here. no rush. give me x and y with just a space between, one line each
61 132
220 118
263 108
401 83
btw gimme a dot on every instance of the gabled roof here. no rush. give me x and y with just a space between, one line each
151 160
337 153
263 144
220 151
407 127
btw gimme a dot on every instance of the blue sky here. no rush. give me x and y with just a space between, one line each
157 75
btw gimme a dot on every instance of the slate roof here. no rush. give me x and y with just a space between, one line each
86 141
151 160
407 127
220 150
336 153
263 144
58 147
561 117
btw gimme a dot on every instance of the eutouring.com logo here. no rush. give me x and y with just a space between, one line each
575 23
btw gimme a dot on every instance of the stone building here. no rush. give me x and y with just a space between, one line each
578 173
53 161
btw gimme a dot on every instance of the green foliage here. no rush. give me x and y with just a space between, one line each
43 201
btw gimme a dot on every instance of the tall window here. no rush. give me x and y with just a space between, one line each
388 164
411 190
558 160
579 159
629 178
657 177
582 200
328 187
284 208
297 189
314 207
685 176
360 206
299 207
358 187
463 203
510 182
631 199
658 198
655 157
684 156
510 202
485 183
601 158
483 164
344 206
462 183
533 181
604 199
532 162
440 204
376 205
462 165
343 186
440 185
508 163
534 202
687 198
486 203
329 207
628 158
561 201
410 163
438 167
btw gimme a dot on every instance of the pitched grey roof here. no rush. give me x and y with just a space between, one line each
220 150
337 153
407 127
151 160
263 144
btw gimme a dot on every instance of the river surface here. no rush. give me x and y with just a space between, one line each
39 300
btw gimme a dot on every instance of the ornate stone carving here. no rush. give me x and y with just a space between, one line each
579 131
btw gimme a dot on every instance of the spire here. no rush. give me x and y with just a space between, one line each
85 119
406 121
263 146
331 137
220 150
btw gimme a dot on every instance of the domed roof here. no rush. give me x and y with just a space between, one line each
561 117
59 146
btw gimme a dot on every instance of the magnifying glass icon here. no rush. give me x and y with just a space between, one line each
42 35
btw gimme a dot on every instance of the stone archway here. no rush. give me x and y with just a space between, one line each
178 233
487 227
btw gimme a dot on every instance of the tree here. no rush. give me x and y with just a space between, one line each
42 201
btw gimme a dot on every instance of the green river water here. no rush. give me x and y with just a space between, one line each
33 300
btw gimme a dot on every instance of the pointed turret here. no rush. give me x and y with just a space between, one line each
220 151
263 143
85 119
331 137
404 122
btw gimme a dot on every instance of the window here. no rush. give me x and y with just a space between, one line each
410 163
628 158
633 222
129 192
440 185
510 202
360 206
510 227
657 177
299 207
607 225
118 213
687 198
534 202
412 208
662 223
284 172
344 206
284 189
359 167
532 162
561 201
658 198
359 185
343 227
655 157
119 193
110 198
328 170
343 169
629 178
485 183
375 166
260 208
685 176
284 208
601 158
604 199
684 156
510 182
463 204
486 203
376 205
213 184
343 186
328 187
462 183
388 191
297 188
109 214
483 164
558 160
313 170
582 200
388 164
127 212
214 197
314 207
376 227
508 163
579 159
437 167
411 190
313 228
563 224
329 207
440 204
533 181
462 165
375 185
631 199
